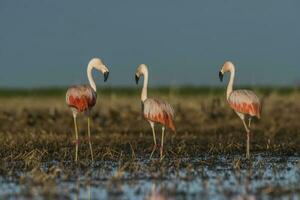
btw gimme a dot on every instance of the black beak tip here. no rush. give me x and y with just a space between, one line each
106 74
221 76
136 79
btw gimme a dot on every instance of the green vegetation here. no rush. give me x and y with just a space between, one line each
128 91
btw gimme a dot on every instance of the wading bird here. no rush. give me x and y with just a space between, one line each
155 110
244 102
82 98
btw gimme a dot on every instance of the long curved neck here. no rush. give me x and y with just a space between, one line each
230 84
145 86
90 77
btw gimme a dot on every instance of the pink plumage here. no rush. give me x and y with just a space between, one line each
81 97
246 102
159 111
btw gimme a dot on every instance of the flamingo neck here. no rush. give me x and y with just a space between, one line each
145 86
90 77
230 84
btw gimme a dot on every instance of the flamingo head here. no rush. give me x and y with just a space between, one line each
227 67
141 70
99 65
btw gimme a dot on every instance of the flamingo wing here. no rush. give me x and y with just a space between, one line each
159 111
246 102
81 97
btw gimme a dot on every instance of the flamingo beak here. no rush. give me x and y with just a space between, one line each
106 74
137 79
221 76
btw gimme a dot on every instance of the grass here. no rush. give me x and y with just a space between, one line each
37 135
133 91
204 124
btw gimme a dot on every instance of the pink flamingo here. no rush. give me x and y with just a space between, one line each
244 102
82 98
155 110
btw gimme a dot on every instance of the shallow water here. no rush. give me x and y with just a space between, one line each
221 177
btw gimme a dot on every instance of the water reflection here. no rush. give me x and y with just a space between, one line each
229 178
156 194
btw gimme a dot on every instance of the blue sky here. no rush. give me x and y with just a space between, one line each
48 43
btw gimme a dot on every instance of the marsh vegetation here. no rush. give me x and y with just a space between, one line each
205 158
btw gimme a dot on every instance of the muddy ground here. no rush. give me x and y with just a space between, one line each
204 159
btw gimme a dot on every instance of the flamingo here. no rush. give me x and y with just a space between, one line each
244 102
82 98
155 110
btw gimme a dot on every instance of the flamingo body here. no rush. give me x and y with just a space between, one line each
245 102
159 111
154 110
81 97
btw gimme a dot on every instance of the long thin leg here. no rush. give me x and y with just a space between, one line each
154 138
162 142
89 135
248 139
249 124
153 132
76 138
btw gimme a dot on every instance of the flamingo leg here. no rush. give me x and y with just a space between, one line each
76 138
89 135
248 139
249 124
162 142
154 138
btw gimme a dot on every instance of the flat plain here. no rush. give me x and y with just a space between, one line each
204 159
